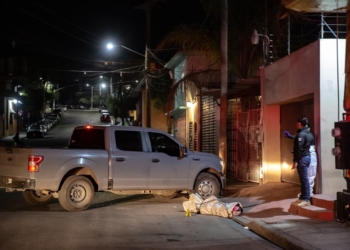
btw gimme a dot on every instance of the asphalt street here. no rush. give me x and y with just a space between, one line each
114 221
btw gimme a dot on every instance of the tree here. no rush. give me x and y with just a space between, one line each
84 101
244 59
119 107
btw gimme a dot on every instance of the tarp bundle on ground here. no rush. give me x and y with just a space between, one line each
212 206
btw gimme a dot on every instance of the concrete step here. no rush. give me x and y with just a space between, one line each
322 207
312 212
326 201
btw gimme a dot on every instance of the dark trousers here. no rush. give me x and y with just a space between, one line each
303 166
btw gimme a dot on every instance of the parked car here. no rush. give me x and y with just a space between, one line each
52 119
55 116
49 123
104 111
43 127
57 111
45 123
105 118
35 131
101 107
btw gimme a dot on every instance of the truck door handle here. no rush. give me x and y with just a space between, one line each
196 159
155 160
120 159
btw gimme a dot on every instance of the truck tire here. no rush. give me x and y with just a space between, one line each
36 198
207 185
76 194
167 195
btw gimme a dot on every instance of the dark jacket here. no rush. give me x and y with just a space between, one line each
302 142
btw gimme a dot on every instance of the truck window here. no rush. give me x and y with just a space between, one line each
164 144
128 140
87 138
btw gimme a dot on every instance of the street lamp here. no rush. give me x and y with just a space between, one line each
266 42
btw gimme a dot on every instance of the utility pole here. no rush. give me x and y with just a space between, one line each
111 85
146 93
224 80
92 96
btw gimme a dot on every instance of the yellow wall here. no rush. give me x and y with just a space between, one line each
158 118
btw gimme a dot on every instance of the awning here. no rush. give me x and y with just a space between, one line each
178 112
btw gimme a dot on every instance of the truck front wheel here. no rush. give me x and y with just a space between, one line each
207 185
36 197
169 194
76 194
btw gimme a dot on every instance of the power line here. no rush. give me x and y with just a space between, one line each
63 18
51 25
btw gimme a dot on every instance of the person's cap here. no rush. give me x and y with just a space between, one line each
303 121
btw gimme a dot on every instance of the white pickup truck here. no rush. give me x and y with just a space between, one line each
122 160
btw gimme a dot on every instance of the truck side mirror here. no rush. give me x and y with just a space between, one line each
183 152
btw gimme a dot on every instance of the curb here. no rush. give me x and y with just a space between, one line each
284 240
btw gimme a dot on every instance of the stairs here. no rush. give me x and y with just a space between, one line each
322 207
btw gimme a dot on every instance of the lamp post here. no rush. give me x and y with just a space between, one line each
101 86
266 42
92 95
111 46
16 137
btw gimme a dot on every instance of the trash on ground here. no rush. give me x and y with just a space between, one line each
211 206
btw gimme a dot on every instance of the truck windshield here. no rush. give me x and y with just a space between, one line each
87 138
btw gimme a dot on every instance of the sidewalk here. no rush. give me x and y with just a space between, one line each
266 213
9 139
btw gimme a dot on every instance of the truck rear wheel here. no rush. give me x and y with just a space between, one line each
76 194
36 198
207 185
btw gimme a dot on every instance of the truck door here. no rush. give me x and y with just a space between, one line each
167 169
130 161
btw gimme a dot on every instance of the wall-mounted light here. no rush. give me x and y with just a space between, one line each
191 103
266 41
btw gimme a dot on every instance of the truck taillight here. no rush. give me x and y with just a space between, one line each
34 162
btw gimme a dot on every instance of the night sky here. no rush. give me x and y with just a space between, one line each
67 35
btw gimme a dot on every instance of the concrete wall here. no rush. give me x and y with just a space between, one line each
331 102
311 72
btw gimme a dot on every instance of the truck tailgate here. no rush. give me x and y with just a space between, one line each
14 161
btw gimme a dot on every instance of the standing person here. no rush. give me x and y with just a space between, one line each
313 160
302 159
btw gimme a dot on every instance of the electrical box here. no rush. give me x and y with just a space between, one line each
341 150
